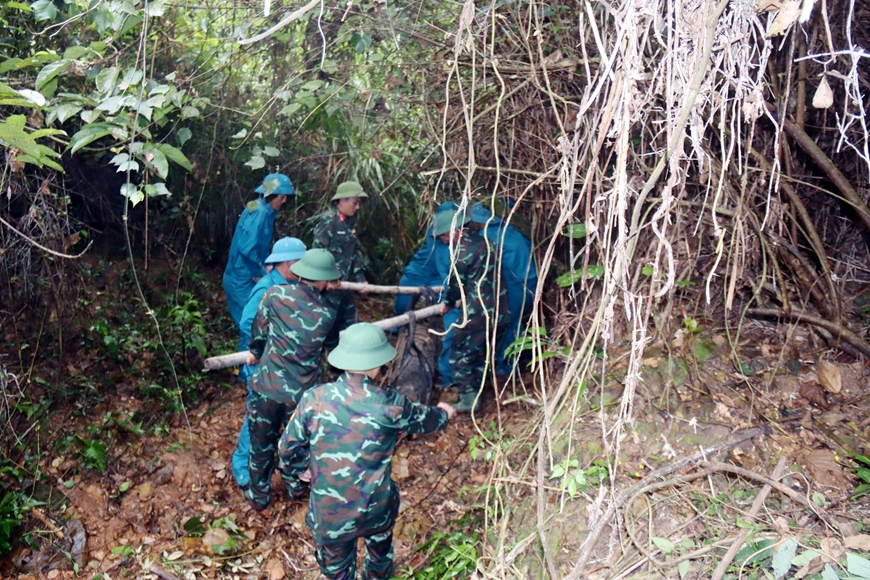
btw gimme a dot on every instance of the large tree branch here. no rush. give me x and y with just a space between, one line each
822 160
296 15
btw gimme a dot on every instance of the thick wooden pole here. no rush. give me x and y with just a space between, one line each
375 289
239 358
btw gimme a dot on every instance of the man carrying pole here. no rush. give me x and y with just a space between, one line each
285 253
287 339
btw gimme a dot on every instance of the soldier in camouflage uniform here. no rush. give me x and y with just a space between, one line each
287 340
473 286
345 433
336 232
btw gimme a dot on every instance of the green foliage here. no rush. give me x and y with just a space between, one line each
95 454
487 444
12 508
450 555
575 480
527 341
862 471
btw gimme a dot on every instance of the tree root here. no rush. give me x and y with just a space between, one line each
647 484
838 331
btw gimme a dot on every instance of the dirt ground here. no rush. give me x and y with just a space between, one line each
168 506
170 480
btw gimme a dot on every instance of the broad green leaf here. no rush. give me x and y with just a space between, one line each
290 109
271 151
159 90
595 272
126 166
48 132
858 565
19 6
119 159
805 558
88 134
175 155
107 79
33 97
44 10
189 112
156 101
647 270
194 527
145 111
132 193
575 231
782 557
63 112
124 486
256 162
664 544
240 135
41 162
111 105
90 116
182 135
75 52
157 189
12 134
829 573
569 278
48 73
132 77
159 162
683 568
312 85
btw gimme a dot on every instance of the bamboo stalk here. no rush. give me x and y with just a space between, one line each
239 358
375 289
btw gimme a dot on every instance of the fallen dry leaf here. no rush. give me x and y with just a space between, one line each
832 548
830 377
813 393
825 469
824 96
859 542
275 569
787 15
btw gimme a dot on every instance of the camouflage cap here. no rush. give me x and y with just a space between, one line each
349 189
362 347
444 222
317 265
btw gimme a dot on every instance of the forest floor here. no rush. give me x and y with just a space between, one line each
167 506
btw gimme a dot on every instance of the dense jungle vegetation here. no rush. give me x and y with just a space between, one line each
694 176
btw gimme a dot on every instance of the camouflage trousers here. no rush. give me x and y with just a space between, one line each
338 560
346 314
266 421
468 357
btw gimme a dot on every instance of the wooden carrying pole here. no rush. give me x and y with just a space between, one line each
239 358
375 289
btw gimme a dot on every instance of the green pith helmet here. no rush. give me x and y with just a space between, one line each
317 265
444 221
349 189
362 347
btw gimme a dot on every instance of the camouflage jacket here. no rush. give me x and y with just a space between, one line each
346 432
474 279
337 233
287 336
